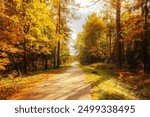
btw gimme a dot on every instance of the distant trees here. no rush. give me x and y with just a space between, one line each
64 12
126 40
91 42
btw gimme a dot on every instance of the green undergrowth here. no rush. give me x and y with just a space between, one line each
10 86
104 83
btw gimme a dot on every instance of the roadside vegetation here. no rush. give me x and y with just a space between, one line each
10 86
109 83
115 46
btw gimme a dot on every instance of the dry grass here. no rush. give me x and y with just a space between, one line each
139 83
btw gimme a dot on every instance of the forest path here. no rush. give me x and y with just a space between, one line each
69 85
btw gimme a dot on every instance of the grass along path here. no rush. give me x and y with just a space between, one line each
10 86
105 86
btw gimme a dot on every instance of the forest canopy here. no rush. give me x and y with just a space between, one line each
35 34
111 39
120 34
32 33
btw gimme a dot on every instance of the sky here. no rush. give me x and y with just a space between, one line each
77 25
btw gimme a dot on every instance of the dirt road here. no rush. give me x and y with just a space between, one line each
69 85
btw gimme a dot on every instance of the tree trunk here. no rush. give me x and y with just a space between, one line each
26 30
25 56
118 38
16 66
110 40
59 31
46 62
145 49
58 55
123 53
34 67
54 57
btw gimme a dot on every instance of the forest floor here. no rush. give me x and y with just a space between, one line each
109 83
97 81
68 85
10 86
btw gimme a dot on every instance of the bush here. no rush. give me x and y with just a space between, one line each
103 66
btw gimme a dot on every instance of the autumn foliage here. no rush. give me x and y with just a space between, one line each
28 34
118 35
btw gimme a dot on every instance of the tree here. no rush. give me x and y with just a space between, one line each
92 41
118 35
146 37
64 10
28 30
8 40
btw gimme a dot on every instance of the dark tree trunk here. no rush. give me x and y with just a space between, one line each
26 30
118 38
58 55
146 39
123 53
110 41
46 62
58 31
34 67
16 65
25 56
54 57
